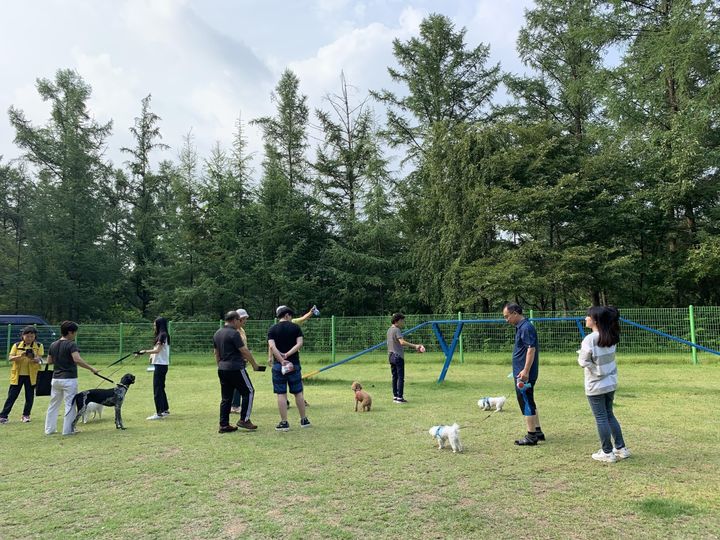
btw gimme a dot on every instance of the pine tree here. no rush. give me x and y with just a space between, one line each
68 155
142 196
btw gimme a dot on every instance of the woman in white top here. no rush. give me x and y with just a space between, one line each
160 359
597 356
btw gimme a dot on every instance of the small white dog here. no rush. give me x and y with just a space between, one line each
450 434
488 403
95 408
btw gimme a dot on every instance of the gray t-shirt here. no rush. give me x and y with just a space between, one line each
393 341
64 365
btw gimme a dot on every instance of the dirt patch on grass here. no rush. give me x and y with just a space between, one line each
235 490
235 528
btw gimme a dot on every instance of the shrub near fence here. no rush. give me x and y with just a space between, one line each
341 336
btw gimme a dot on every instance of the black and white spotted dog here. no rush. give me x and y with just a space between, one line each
112 397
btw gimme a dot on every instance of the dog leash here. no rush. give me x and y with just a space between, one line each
108 380
115 370
123 358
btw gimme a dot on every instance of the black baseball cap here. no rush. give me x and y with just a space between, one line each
281 311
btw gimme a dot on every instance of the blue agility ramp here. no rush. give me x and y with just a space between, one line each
448 349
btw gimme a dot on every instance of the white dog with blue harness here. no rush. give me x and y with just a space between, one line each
450 434
488 403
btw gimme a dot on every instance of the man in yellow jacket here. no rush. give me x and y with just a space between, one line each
25 357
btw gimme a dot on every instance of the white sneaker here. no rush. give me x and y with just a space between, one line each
622 453
602 456
155 417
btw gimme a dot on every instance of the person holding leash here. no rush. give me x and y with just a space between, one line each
65 355
160 360
525 360
26 357
597 357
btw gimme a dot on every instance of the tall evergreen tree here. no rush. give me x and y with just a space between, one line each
292 233
449 87
445 82
285 133
68 154
142 195
663 98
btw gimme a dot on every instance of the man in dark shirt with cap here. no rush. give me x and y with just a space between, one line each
285 340
230 355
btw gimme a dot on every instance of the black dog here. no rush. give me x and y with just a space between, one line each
111 397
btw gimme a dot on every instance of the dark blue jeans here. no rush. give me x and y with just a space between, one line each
397 368
607 424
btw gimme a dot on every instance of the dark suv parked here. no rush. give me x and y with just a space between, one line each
46 334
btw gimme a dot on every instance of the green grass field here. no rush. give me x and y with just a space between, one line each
373 475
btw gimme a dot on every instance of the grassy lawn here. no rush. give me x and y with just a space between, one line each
375 475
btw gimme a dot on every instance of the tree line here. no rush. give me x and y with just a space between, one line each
596 182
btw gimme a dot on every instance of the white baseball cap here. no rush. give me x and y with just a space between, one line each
242 313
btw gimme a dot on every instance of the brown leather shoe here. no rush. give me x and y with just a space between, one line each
246 424
227 429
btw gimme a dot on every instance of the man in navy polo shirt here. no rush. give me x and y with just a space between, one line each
525 360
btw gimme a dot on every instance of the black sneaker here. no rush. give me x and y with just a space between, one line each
304 422
283 426
400 400
227 429
539 435
526 441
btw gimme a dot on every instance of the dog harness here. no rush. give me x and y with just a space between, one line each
485 402
438 432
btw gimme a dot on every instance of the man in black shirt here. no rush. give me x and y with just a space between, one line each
64 354
285 340
230 355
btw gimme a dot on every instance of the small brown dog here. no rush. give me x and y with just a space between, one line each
361 397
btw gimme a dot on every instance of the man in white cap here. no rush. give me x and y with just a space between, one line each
243 317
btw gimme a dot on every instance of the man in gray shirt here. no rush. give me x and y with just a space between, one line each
396 355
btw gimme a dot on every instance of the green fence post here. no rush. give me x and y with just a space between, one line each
9 341
121 339
462 351
532 315
332 337
691 312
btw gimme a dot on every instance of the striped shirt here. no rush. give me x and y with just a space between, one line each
599 364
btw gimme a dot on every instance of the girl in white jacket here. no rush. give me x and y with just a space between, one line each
597 356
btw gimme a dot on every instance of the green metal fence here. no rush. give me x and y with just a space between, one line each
338 337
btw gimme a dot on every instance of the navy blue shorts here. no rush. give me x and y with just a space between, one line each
526 399
292 380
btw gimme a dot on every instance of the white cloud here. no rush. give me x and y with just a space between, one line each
363 54
205 63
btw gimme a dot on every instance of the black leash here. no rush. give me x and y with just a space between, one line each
115 370
123 358
108 380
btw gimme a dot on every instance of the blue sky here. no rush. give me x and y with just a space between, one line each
207 62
